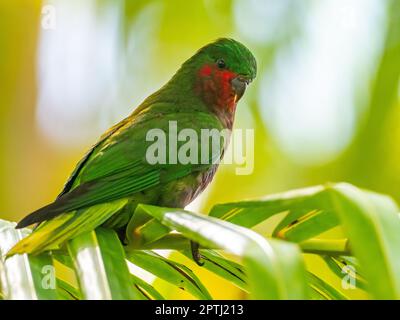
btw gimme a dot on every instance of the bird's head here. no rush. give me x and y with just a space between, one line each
221 71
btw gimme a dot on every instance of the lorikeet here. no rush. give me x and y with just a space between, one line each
115 175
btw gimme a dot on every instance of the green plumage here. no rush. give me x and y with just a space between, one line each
115 175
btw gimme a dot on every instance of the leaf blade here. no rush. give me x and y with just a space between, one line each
100 265
262 259
24 277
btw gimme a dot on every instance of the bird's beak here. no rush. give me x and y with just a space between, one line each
239 85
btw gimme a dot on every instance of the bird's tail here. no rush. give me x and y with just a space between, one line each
52 233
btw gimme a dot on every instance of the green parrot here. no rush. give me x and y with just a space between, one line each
116 174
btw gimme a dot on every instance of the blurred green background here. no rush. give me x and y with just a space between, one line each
325 105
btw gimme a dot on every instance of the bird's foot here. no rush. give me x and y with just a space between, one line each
196 255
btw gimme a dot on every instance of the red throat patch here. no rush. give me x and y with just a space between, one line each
215 86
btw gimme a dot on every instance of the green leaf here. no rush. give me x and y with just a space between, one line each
170 271
368 219
148 291
100 265
213 261
216 263
67 292
143 233
326 246
63 257
250 213
342 267
24 277
307 225
314 294
309 213
324 290
264 260
371 223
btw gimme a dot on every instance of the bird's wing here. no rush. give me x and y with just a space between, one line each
71 180
117 168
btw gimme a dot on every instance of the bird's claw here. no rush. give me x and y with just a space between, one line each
194 246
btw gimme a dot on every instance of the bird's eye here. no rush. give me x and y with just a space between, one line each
221 63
